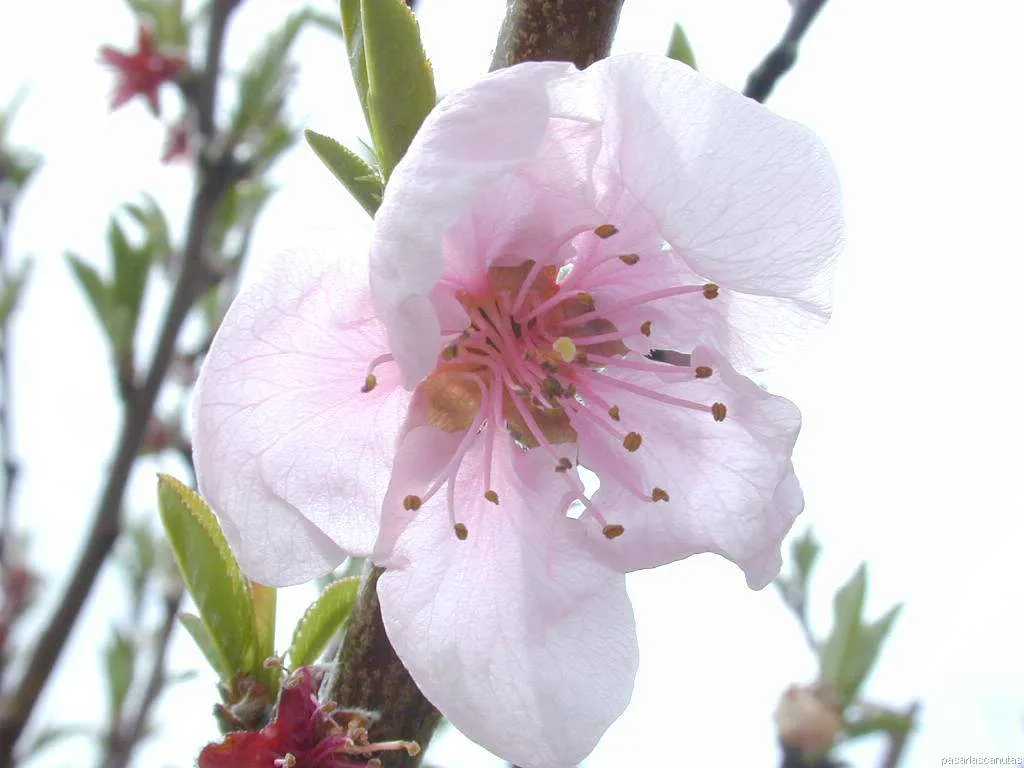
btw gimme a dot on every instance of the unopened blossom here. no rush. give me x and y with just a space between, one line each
141 72
303 734
808 719
569 271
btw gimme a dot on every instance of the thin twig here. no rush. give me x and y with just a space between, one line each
782 57
127 738
215 178
579 31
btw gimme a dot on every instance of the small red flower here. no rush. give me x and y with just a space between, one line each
304 733
142 72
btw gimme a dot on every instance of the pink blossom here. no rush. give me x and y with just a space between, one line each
569 269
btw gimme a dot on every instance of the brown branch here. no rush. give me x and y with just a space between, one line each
372 677
215 178
783 56
579 31
127 737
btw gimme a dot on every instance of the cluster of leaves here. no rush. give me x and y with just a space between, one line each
236 619
847 656
16 168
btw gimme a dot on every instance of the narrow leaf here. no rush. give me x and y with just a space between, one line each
264 606
195 627
120 661
351 170
322 621
96 291
679 47
866 650
11 290
841 645
352 29
805 553
400 90
210 572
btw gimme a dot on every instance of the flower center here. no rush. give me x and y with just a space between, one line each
533 362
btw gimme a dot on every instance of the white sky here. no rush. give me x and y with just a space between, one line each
910 455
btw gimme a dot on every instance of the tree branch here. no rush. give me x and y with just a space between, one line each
898 740
783 56
579 31
214 180
127 738
371 676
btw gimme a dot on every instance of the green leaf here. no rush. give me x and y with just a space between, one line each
351 170
400 82
840 648
679 47
262 88
211 574
120 659
865 653
131 270
264 606
352 29
805 553
879 721
10 291
96 291
195 627
322 621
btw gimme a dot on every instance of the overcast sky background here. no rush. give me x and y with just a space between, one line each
910 455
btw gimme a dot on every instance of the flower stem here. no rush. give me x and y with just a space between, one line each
782 57
579 31
372 677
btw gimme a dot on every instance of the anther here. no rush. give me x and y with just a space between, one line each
491 496
645 328
371 382
605 231
659 494
629 258
564 465
412 503
613 412
702 371
710 291
461 532
565 347
632 441
449 352
581 357
613 531
288 761
718 411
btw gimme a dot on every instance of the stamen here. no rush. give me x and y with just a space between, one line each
368 386
412 503
461 532
632 441
645 328
659 494
564 465
450 352
651 393
565 348
613 412
702 371
633 301
288 761
718 411
629 258
491 496
613 531
710 291
604 231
